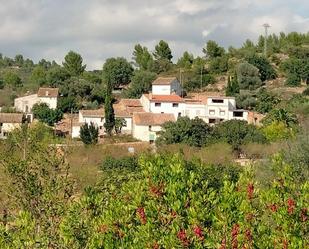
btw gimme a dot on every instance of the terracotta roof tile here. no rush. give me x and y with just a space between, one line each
48 92
148 118
130 102
164 80
165 98
15 118
98 113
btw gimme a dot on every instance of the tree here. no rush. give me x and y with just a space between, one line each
19 60
186 60
46 115
163 51
193 132
56 76
277 131
39 187
117 71
219 65
108 108
89 134
140 83
67 104
12 79
281 115
119 123
38 75
142 57
213 50
237 133
266 71
73 64
232 86
248 76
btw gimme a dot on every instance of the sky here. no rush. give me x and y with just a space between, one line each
99 29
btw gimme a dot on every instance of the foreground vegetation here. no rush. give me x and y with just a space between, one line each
152 201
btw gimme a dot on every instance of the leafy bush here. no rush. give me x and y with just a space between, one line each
111 163
237 133
89 133
45 114
277 131
193 132
266 71
248 76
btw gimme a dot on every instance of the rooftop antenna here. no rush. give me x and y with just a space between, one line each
266 26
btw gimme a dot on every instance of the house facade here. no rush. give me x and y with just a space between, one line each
9 122
44 95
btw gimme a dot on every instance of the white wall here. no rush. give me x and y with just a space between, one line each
174 87
195 110
167 107
25 104
8 127
128 128
75 131
141 132
145 103
161 89
50 101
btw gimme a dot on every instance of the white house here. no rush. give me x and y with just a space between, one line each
9 122
146 125
124 109
44 95
166 86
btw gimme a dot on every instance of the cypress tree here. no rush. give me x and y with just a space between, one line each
109 110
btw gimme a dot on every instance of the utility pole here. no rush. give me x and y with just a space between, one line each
201 80
266 26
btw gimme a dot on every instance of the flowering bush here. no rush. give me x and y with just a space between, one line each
172 206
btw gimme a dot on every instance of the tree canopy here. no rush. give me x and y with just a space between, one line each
73 64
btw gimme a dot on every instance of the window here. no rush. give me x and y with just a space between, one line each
217 101
157 104
175 104
212 121
179 114
149 127
212 112
238 114
222 113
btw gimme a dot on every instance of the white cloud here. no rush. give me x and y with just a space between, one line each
99 29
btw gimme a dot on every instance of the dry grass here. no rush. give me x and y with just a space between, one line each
85 161
262 151
214 154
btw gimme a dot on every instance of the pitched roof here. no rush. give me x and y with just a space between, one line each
164 98
164 80
148 118
130 102
48 92
98 113
11 118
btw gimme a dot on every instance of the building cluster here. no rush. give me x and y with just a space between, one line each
143 117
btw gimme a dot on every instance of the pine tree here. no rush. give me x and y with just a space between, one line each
109 110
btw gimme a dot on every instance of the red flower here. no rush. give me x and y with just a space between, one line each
235 232
285 244
223 244
250 190
248 235
141 213
291 205
198 231
249 217
273 207
182 236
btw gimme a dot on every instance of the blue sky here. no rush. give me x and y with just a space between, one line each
99 29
